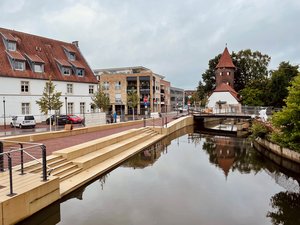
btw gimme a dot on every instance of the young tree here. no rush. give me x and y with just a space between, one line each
288 120
101 101
132 100
50 99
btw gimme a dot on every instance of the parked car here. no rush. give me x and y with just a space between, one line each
74 119
23 121
57 119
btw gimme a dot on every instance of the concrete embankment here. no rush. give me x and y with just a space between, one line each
282 156
74 166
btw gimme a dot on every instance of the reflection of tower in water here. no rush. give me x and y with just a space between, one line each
225 153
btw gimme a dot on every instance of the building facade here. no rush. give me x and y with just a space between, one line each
152 89
27 62
177 98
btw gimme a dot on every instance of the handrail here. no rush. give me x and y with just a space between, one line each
22 150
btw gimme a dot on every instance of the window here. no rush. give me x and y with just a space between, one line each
70 88
91 89
25 108
80 72
11 46
70 107
118 98
228 73
66 71
82 107
118 85
220 73
105 85
24 86
38 68
18 65
71 56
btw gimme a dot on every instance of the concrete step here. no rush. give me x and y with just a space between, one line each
52 165
101 155
88 147
70 173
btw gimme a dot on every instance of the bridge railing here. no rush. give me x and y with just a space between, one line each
245 110
13 155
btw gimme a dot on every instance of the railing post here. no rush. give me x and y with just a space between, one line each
1 157
44 162
22 159
10 176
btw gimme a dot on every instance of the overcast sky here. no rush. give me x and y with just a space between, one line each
174 38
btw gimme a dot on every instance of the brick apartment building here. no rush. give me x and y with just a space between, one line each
152 89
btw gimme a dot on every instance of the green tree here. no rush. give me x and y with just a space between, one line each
287 121
50 99
132 100
250 66
280 80
101 101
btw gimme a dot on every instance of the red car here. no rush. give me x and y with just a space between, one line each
74 119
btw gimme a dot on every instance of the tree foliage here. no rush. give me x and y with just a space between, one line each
101 101
288 120
132 100
250 66
50 99
279 82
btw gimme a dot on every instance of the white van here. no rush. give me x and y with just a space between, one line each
23 121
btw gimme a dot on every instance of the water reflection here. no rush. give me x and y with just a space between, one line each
286 206
180 180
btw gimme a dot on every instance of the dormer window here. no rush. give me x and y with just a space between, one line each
78 68
64 66
36 63
17 61
70 53
11 46
10 42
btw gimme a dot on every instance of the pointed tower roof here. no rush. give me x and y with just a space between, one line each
225 60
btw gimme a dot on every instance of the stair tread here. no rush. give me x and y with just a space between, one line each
71 166
107 149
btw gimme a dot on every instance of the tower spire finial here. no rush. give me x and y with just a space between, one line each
226 45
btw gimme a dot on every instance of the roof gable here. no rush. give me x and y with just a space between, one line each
223 87
41 50
225 60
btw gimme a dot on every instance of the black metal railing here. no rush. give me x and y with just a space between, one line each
15 152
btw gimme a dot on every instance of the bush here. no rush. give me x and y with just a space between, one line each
259 129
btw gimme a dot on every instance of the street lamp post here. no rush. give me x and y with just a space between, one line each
66 103
4 113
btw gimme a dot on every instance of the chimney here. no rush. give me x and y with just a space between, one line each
75 43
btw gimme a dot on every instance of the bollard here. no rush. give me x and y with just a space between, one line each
22 159
144 122
1 157
44 162
10 176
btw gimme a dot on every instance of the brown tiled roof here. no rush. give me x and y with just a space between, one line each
77 64
35 58
63 62
223 87
225 60
16 55
45 50
8 37
69 49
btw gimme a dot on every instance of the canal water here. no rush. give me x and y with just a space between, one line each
188 178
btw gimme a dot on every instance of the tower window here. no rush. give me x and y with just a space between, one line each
220 73
228 73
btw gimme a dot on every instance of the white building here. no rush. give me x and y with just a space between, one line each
27 62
